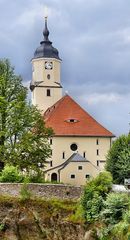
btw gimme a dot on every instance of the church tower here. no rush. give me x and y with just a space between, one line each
45 85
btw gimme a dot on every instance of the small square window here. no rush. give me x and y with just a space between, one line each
87 176
72 175
48 93
80 167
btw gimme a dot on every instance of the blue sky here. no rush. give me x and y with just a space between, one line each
93 39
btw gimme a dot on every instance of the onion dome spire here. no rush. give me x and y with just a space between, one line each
46 50
46 31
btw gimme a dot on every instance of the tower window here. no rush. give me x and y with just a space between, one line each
97 142
50 163
97 163
51 141
72 176
84 154
48 93
48 76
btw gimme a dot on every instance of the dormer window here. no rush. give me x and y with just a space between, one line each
72 120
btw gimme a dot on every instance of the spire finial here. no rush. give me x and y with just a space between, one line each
46 31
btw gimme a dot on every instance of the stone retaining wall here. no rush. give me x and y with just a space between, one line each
43 190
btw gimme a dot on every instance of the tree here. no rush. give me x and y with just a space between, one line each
23 135
114 207
94 193
118 159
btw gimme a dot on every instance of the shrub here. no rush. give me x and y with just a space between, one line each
37 177
11 174
77 216
94 193
25 193
114 207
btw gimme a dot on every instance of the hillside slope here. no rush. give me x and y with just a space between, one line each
38 219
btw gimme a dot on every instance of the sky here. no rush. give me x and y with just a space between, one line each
93 39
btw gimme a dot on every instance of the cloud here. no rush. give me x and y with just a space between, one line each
93 39
97 98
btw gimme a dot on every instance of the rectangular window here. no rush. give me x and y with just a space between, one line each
87 176
48 93
63 155
51 152
72 176
97 152
80 167
97 141
51 141
97 163
84 154
50 163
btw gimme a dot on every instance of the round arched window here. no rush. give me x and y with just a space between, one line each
73 147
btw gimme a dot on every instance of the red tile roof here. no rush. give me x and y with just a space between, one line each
65 110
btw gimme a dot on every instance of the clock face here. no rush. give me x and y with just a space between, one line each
48 65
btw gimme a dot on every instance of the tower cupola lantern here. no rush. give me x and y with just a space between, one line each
46 49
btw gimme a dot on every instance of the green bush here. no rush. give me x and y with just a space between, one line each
25 193
94 193
114 207
11 174
77 216
37 177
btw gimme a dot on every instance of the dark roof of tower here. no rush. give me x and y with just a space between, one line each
46 49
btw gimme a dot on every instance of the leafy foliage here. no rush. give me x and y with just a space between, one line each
37 177
118 159
94 193
116 216
10 174
114 207
23 135
25 193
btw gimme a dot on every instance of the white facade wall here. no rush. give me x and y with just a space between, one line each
85 144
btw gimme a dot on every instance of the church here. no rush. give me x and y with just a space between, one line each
80 144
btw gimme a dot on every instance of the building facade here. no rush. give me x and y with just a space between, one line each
80 143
